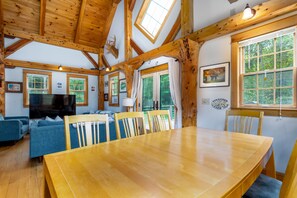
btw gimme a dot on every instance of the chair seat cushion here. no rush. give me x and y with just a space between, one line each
264 187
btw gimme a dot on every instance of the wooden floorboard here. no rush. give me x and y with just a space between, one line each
20 176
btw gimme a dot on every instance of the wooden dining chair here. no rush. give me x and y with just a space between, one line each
269 187
132 124
242 121
159 120
87 128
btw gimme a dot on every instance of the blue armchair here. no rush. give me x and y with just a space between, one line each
13 128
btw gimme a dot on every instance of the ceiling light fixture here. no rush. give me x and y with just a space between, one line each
60 68
107 69
248 12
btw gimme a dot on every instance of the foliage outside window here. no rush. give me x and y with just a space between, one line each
113 88
78 86
36 82
152 17
267 70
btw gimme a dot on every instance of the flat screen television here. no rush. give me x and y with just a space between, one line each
51 105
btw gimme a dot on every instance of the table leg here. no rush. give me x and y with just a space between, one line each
46 190
270 167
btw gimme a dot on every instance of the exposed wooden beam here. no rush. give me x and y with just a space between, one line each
50 40
50 67
174 30
137 49
2 67
9 37
186 17
101 92
109 21
42 17
16 46
132 5
105 62
128 29
101 52
80 20
90 58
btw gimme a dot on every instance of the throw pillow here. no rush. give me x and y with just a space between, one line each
58 119
1 117
49 119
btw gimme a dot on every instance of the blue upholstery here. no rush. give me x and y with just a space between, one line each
49 123
13 128
50 139
264 187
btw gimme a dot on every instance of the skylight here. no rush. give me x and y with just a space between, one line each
152 16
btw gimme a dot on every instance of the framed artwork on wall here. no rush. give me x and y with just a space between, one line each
123 85
216 75
106 97
14 87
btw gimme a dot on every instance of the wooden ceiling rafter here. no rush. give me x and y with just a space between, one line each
132 5
50 40
80 20
105 62
187 24
16 46
90 58
174 30
137 49
10 63
42 17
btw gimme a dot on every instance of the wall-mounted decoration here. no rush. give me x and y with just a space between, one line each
106 84
93 88
106 97
14 87
216 75
220 103
59 85
111 47
123 85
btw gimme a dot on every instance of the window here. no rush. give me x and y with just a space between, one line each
152 17
36 82
113 87
264 70
78 86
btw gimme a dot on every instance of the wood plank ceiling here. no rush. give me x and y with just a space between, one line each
79 21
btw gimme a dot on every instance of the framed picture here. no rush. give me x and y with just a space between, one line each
123 85
216 75
106 97
14 87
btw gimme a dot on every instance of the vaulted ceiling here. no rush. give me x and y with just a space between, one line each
83 22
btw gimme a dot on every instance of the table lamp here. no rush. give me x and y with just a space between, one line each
128 102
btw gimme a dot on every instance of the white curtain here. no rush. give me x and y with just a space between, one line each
136 85
174 71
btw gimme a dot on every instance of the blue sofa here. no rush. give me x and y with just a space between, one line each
49 137
13 128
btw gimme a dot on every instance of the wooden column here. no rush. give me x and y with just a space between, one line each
2 67
101 92
186 17
128 29
129 72
189 53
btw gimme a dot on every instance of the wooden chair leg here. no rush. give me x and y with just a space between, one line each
270 167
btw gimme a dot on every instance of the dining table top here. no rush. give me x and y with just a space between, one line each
186 162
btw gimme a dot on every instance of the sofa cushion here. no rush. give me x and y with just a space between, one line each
25 129
42 123
1 117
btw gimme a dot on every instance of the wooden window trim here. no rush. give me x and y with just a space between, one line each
86 78
154 69
235 76
140 16
116 74
25 73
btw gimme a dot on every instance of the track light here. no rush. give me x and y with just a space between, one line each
60 68
248 13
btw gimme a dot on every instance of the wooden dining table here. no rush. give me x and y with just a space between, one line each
186 162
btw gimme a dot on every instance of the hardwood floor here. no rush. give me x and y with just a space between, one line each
20 176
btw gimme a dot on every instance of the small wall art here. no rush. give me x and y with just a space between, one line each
106 97
216 75
14 87
220 103
59 85
123 85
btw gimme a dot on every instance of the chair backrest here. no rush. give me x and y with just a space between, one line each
159 120
87 128
243 120
133 123
289 186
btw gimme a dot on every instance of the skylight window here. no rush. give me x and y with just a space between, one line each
152 17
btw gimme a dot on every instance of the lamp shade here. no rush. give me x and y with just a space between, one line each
128 102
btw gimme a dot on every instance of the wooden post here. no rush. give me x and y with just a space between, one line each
189 53
186 17
128 29
101 92
129 72
2 66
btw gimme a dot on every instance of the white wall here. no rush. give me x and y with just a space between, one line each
14 101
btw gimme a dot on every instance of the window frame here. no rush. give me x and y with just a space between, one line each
116 74
86 91
141 15
237 80
34 72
